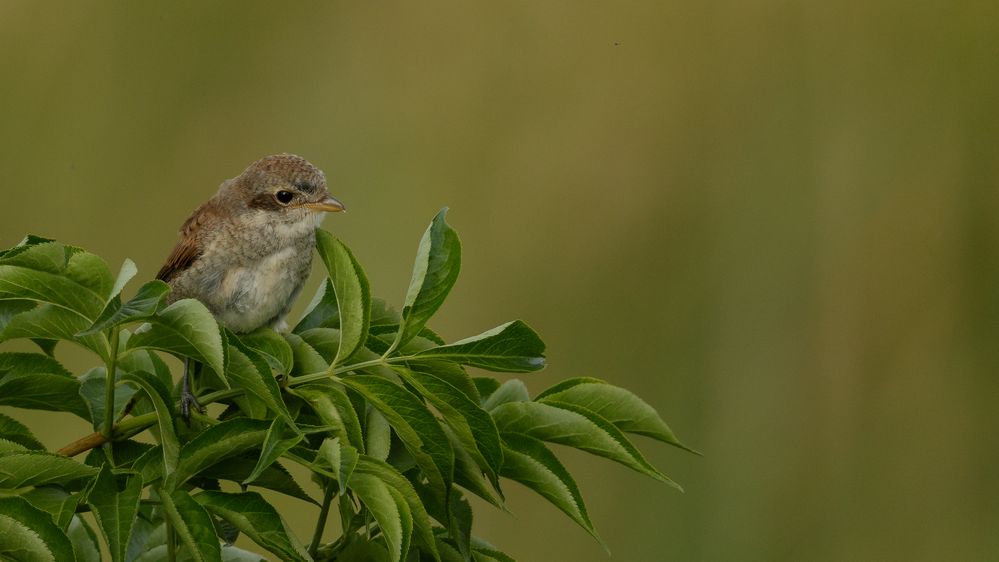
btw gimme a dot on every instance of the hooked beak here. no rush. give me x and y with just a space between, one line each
328 205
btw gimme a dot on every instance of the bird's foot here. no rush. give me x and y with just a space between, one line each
188 401
187 397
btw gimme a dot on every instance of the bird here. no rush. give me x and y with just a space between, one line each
247 251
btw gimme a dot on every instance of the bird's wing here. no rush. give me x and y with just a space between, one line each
189 248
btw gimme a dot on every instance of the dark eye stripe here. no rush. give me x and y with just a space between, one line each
305 187
265 201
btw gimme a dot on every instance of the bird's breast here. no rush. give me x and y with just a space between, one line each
256 294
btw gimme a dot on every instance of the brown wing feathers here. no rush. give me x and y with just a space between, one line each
185 253
188 249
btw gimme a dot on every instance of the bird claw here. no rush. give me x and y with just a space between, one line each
187 397
187 400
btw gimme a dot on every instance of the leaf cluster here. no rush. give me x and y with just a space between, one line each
381 411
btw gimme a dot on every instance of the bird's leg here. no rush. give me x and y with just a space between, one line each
187 398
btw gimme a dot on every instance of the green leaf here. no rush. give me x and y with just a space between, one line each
416 427
473 426
256 518
91 389
10 309
125 274
529 462
341 459
330 454
334 408
13 430
575 427
187 329
30 363
275 445
55 501
43 391
150 464
364 551
84 541
123 455
620 407
19 469
451 373
353 297
39 382
86 279
144 360
345 505
460 524
322 312
378 435
28 533
159 395
423 535
389 510
486 386
231 553
247 369
272 346
227 439
9 446
49 322
469 475
84 276
145 304
511 348
148 532
512 390
115 509
250 406
275 477
155 554
47 346
325 341
438 261
485 552
306 359
192 524
405 517
449 551
382 314
90 271
24 283
38 253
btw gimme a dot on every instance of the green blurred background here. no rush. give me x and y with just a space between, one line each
774 220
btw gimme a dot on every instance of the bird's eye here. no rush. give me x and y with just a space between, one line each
284 197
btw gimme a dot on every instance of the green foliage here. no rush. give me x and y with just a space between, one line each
373 403
115 509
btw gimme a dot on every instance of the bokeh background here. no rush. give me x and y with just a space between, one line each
774 220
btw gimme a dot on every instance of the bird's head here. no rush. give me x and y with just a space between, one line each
286 188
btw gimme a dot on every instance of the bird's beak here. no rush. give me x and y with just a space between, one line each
328 204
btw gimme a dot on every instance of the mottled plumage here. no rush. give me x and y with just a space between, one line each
246 252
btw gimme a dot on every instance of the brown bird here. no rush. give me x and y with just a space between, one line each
247 251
